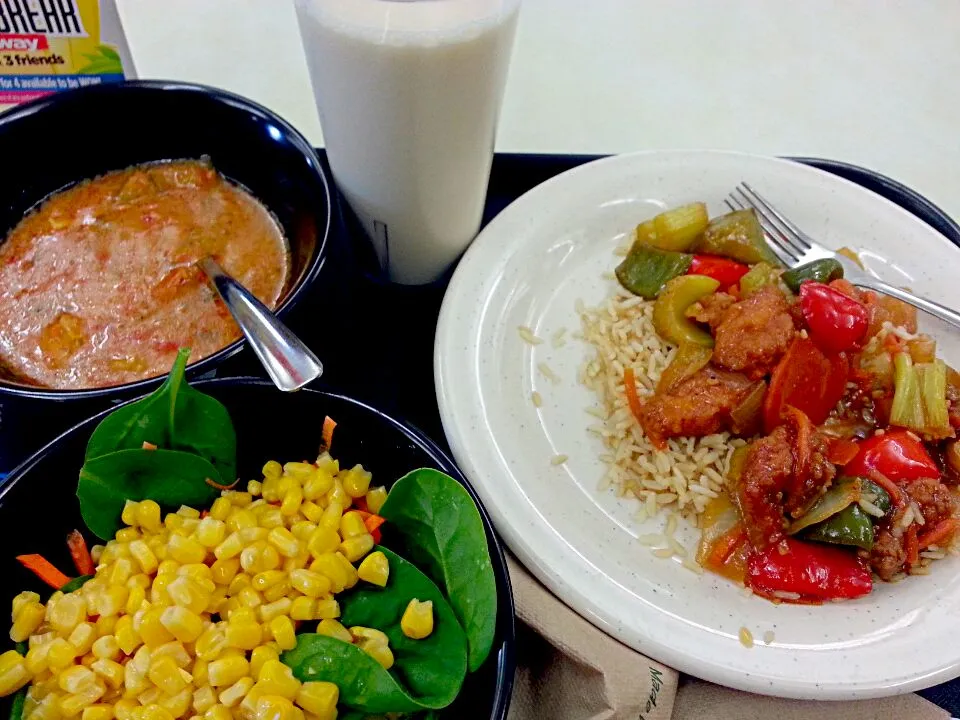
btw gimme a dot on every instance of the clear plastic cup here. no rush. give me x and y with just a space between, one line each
409 94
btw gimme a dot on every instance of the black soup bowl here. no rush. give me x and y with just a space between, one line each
77 135
38 505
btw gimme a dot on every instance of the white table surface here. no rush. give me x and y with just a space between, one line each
873 82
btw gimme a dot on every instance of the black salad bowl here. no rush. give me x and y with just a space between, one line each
38 505
55 142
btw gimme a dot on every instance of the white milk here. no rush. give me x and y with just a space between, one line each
409 93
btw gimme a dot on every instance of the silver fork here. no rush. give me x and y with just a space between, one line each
794 247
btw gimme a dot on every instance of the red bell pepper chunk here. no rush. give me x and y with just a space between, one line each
806 379
724 271
813 572
836 321
897 455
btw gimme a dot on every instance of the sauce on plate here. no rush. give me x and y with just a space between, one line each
99 285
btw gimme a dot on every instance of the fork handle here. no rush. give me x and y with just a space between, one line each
946 314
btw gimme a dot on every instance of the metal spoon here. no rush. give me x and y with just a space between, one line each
288 362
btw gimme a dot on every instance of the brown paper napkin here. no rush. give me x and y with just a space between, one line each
569 670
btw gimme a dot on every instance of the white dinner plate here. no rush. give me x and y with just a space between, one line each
528 267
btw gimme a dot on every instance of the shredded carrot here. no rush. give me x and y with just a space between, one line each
630 386
891 343
939 532
326 434
204 513
44 569
842 451
724 546
360 504
887 484
148 445
218 486
372 522
80 554
912 546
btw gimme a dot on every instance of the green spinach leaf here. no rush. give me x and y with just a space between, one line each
174 417
427 674
170 477
443 532
76 583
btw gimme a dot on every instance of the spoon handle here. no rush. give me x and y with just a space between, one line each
287 360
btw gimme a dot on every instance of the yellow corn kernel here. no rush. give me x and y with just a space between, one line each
222 572
328 565
82 637
221 509
374 569
218 712
352 525
230 547
320 699
310 583
76 679
259 657
125 535
204 698
376 497
337 494
326 609
27 618
311 511
273 707
148 515
129 513
272 469
187 592
268 578
106 647
355 548
153 712
370 635
145 557
210 532
243 635
250 558
280 590
348 569
210 644
283 632
235 693
323 540
168 567
297 563
37 658
357 481
184 625
332 628
238 498
278 607
74 704
270 492
284 541
158 591
97 712
173 650
165 674
253 535
173 522
254 487
152 630
113 601
241 519
177 705
275 678
67 612
135 599
139 580
127 637
330 520
318 484
22 599
417 620
270 517
250 598
290 505
186 550
110 670
199 672
381 653
247 709
227 670
120 571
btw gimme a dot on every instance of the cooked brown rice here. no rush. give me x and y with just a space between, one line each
692 471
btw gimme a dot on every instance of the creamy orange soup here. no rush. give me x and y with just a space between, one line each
100 286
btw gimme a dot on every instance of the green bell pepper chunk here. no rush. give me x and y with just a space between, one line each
869 490
647 269
824 271
850 526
